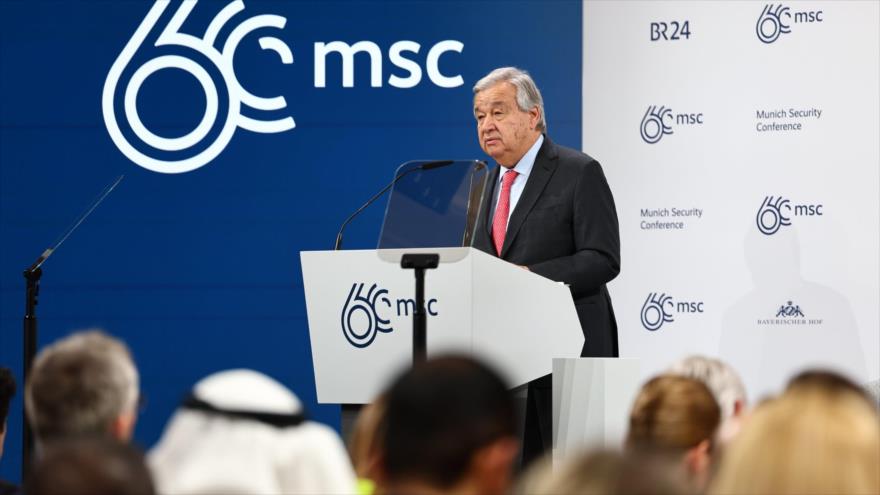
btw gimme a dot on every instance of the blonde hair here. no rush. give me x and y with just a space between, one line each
672 414
602 472
811 440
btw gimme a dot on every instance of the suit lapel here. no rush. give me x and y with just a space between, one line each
545 164
488 200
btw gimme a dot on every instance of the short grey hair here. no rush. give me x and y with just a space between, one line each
718 376
79 385
528 95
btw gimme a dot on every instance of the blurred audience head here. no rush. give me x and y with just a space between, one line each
7 391
725 385
603 473
822 435
825 380
85 384
89 466
450 427
364 446
676 418
241 432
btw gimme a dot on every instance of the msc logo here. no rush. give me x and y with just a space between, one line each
190 53
774 21
658 121
660 308
776 213
361 315
789 311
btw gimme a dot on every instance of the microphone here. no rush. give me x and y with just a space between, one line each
424 166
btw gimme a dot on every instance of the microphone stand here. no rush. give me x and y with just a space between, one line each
350 411
420 262
32 277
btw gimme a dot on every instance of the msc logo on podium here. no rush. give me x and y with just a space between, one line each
659 309
210 63
361 321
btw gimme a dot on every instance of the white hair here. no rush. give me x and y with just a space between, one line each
80 384
528 96
719 377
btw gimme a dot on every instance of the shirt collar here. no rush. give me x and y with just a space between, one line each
524 165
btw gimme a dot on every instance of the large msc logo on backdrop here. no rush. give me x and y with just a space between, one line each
660 309
367 313
777 212
776 20
228 104
196 56
659 121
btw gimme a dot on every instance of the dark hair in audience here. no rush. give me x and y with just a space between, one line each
672 414
439 414
7 391
90 466
364 446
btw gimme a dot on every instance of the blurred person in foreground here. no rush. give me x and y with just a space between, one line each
821 436
364 445
83 385
7 392
449 428
90 466
725 385
829 381
675 420
241 432
602 473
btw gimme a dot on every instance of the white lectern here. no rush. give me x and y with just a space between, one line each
360 306
592 398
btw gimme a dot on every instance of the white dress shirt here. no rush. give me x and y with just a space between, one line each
523 168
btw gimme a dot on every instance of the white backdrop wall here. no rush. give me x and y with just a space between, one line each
742 143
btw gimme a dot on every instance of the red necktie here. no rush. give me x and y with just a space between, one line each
502 210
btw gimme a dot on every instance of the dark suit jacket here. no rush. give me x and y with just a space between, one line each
564 227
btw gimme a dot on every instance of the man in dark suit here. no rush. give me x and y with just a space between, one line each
547 209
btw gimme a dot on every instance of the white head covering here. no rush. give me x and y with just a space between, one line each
231 450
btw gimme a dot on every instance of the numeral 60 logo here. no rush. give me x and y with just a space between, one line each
199 57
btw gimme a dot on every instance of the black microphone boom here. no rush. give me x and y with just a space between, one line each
424 166
32 277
